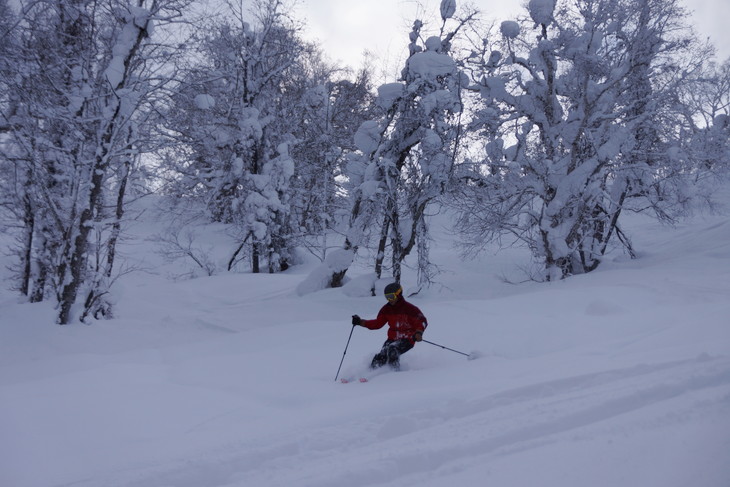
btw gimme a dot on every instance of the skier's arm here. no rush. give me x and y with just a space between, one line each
377 323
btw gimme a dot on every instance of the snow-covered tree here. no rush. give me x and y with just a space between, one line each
85 73
404 158
707 95
325 117
236 151
14 206
706 100
579 116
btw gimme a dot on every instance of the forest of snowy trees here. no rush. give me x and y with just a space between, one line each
542 131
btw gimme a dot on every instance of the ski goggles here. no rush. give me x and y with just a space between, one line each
393 296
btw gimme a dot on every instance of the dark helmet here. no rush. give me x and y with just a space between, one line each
392 291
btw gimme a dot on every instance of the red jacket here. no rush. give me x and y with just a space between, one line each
403 318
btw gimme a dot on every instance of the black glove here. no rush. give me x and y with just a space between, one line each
356 320
418 336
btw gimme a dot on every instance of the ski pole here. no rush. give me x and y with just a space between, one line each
345 353
447 348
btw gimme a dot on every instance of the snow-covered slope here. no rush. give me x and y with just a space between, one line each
619 377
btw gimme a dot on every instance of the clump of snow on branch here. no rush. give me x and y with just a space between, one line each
431 64
541 11
389 93
367 137
448 9
204 101
136 20
510 29
433 43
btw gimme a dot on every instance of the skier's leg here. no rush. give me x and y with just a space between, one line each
395 350
378 360
394 358
381 358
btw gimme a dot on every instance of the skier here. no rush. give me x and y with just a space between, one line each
406 326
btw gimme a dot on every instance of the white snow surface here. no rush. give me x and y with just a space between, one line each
616 378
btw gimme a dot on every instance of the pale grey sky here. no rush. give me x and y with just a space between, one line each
347 27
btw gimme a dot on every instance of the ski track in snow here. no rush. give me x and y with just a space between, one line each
454 436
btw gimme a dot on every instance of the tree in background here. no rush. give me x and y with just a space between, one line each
326 117
85 72
236 119
580 119
404 159
706 102
576 114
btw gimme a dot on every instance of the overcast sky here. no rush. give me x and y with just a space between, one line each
346 28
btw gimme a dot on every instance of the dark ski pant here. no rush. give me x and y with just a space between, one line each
390 353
